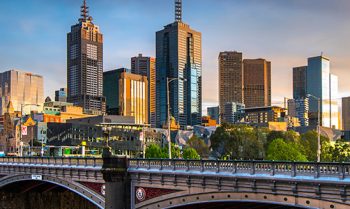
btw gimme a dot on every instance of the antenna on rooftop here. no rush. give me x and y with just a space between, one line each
84 11
178 10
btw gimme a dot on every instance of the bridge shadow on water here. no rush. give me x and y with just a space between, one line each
40 195
235 205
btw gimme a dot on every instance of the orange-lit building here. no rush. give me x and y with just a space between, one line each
146 66
174 126
133 96
207 121
59 112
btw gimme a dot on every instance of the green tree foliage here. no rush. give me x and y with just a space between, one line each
308 143
175 151
199 145
190 154
290 136
279 149
339 152
238 142
154 151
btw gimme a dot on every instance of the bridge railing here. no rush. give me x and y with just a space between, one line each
62 161
270 168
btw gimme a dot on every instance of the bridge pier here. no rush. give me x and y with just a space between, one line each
115 174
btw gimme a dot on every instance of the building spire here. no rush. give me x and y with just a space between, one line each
178 10
84 12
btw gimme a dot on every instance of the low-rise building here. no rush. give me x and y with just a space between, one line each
207 121
233 112
299 108
261 116
93 134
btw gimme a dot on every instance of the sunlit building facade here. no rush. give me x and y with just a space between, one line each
21 88
111 89
146 66
323 85
133 97
346 113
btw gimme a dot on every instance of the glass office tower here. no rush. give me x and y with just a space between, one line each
179 57
323 85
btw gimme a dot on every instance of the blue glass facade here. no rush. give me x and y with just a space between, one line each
178 55
322 84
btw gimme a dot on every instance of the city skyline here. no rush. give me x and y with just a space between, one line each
282 41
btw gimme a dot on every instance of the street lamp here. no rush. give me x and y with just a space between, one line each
318 126
169 80
42 141
107 129
20 127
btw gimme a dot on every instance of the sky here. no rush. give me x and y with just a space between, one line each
285 32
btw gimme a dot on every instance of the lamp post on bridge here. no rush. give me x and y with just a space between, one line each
169 80
318 125
107 129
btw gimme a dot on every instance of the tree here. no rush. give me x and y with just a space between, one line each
278 149
339 152
238 142
175 151
309 145
190 154
199 145
154 151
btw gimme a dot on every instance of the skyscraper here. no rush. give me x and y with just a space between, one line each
111 90
230 79
346 113
61 95
19 88
299 82
133 96
126 94
257 83
179 59
323 85
85 64
146 66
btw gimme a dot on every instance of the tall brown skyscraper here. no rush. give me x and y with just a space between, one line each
146 66
257 83
85 64
230 79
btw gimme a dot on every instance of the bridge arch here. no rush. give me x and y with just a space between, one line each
185 201
72 186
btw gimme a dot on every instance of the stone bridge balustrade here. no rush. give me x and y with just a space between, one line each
268 168
121 183
164 183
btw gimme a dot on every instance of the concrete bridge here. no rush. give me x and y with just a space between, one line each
120 183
